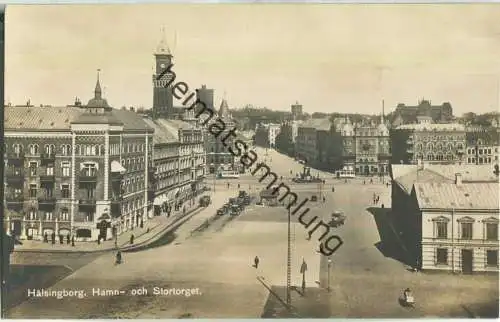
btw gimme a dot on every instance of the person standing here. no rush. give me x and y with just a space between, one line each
131 239
256 262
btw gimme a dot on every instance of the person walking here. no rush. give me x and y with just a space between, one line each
68 240
131 239
118 258
73 241
256 262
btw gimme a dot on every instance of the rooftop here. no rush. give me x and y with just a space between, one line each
318 124
406 175
451 196
432 127
162 134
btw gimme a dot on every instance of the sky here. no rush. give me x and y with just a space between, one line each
330 58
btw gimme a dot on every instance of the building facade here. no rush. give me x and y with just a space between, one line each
80 171
458 234
483 145
162 81
365 146
433 143
405 114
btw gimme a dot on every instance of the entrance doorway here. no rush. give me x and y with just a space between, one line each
467 259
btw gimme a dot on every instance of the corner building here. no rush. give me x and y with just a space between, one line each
80 171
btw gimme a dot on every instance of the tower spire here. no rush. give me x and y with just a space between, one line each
163 48
382 117
98 91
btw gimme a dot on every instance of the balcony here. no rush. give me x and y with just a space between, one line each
87 201
15 203
14 176
409 141
88 177
14 199
46 178
46 202
409 150
116 178
49 157
15 158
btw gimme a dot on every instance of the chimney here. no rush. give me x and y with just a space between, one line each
458 179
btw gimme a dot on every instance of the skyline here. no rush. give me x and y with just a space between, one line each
259 54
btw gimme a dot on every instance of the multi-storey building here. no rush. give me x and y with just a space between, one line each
309 143
179 161
433 143
218 156
285 141
408 114
483 145
365 146
266 133
82 171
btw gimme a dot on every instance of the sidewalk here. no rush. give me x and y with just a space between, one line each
157 225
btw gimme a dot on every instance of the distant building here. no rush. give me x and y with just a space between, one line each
365 147
309 144
483 145
219 158
265 134
296 110
447 215
285 141
433 143
83 171
408 114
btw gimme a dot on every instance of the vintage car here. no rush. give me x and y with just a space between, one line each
223 210
337 219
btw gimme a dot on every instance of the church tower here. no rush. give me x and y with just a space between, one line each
162 90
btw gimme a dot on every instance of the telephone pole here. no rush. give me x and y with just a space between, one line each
289 262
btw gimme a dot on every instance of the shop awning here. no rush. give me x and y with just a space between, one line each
116 167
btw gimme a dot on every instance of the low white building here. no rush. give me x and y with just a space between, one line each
457 225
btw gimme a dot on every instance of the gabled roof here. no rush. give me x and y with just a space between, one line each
40 118
451 196
318 124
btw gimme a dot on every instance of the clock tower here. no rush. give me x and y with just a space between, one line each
162 87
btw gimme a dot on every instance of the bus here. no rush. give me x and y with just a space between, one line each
228 175
345 173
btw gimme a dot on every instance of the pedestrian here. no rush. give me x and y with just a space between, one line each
383 206
371 181
238 185
228 185
309 235
53 237
324 199
45 238
256 262
73 241
67 239
131 239
61 239
118 258
364 181
99 240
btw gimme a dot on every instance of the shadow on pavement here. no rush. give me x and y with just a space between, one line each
37 277
164 240
389 244
313 304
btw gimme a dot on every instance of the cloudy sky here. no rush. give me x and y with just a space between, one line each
328 57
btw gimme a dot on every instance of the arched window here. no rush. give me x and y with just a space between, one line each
18 148
430 157
419 146
34 149
430 146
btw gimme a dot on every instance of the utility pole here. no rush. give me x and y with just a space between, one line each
289 262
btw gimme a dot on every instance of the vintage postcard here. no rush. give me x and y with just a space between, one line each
251 161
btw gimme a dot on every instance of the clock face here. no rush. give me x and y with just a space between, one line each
162 65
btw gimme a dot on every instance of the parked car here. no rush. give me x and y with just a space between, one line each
314 198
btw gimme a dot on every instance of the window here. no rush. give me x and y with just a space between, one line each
50 170
89 170
65 192
33 168
17 192
33 149
491 231
467 230
492 258
18 148
33 191
441 229
32 214
66 149
442 256
65 169
48 215
90 193
64 214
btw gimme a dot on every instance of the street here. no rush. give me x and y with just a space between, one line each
365 276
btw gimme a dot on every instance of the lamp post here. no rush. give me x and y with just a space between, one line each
329 264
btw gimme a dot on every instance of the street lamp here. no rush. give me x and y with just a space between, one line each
329 264
289 261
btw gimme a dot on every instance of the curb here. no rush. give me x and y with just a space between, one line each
142 244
